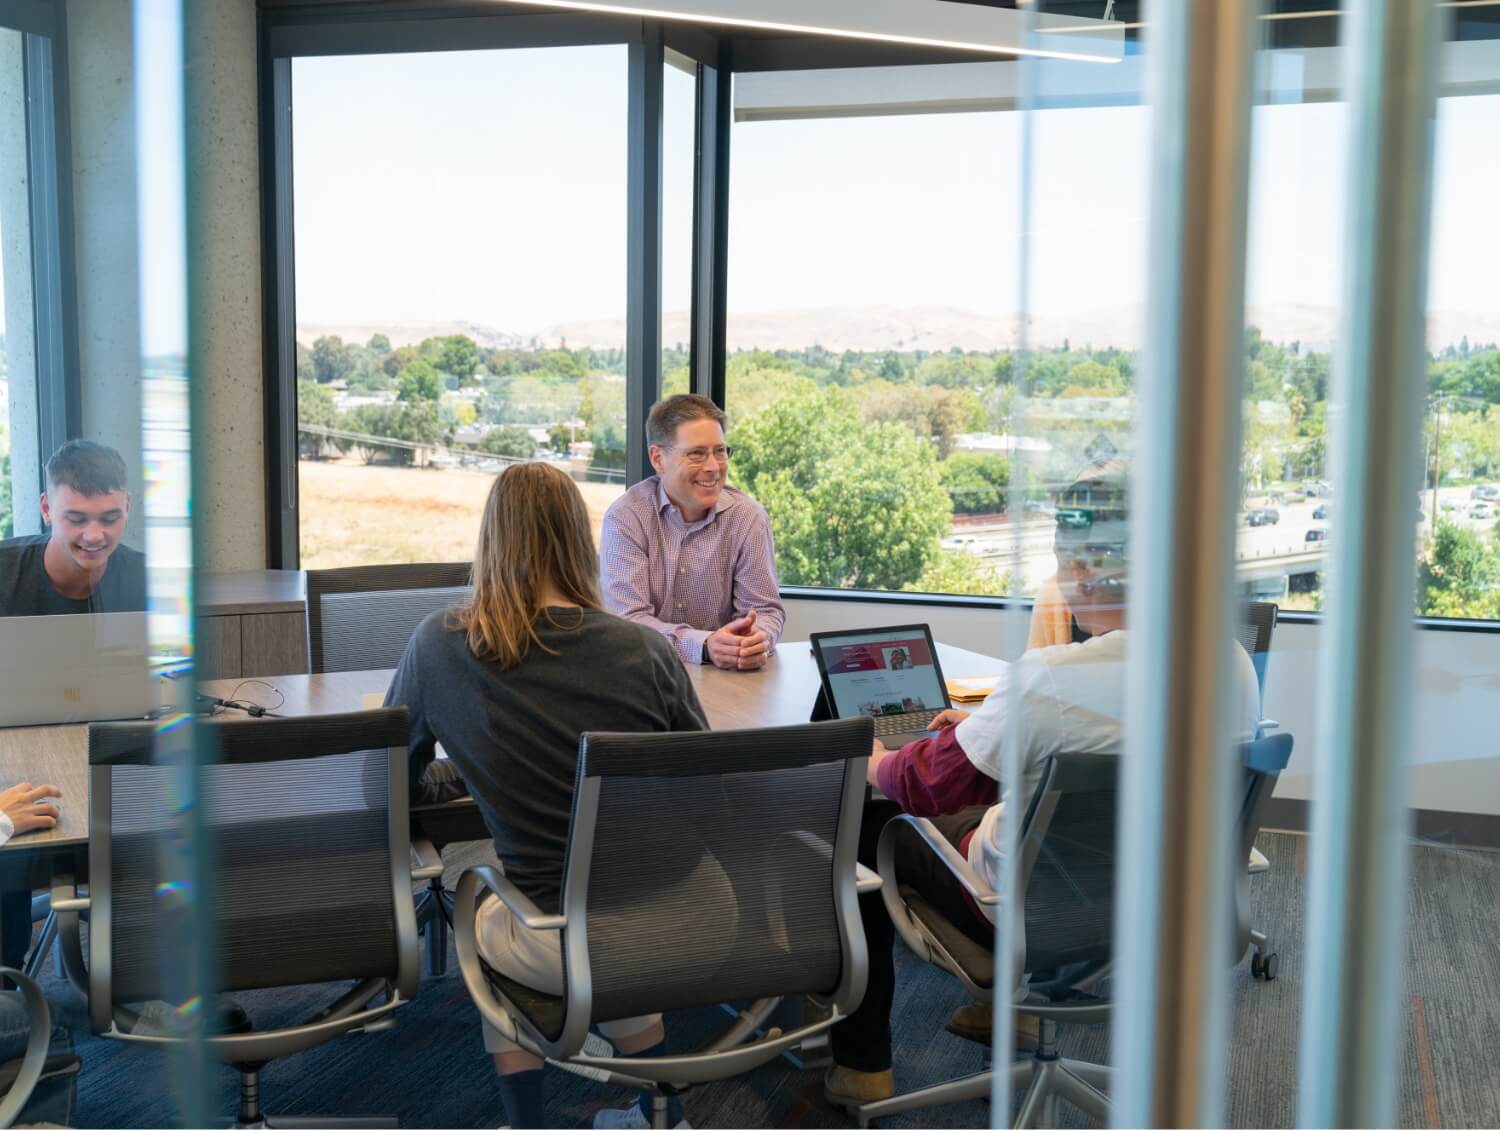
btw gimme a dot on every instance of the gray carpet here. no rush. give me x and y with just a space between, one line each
432 1070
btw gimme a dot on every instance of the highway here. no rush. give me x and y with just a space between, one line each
1261 550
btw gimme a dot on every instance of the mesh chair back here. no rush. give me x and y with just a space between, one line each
361 618
304 822
1254 633
709 868
1068 854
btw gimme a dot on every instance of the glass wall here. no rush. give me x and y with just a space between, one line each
17 381
870 331
460 289
95 584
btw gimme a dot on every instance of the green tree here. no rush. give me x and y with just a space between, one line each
331 359
1460 575
314 406
977 482
419 381
7 511
513 443
852 505
379 343
459 357
305 370
959 572
939 414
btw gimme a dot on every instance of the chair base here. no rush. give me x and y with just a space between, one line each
1045 1078
269 1122
251 1117
434 908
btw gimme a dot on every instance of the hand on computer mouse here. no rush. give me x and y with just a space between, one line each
26 807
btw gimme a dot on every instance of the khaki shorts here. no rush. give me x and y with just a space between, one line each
534 958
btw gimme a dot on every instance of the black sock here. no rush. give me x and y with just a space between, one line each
674 1104
521 1093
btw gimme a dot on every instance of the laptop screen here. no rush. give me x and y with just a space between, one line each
880 672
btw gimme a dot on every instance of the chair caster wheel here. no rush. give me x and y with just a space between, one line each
1264 965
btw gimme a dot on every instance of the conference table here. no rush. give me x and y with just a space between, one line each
780 694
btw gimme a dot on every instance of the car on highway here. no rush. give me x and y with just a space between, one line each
1489 492
1320 512
1263 516
1317 533
1481 511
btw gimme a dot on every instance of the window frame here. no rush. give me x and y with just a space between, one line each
49 172
293 29
289 33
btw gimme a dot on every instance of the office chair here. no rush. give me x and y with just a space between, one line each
306 822
360 619
1254 633
701 868
19 1077
1067 879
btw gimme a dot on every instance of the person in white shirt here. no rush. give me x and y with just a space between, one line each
1069 698
23 808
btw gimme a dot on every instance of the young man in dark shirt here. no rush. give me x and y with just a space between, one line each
79 565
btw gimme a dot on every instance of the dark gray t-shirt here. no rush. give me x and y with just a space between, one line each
26 590
514 734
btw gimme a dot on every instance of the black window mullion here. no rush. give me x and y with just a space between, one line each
643 244
279 312
710 230
54 297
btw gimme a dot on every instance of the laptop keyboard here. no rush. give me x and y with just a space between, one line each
904 723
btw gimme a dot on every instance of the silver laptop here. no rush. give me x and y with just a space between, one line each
891 674
86 668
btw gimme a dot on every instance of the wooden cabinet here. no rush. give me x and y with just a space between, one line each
252 624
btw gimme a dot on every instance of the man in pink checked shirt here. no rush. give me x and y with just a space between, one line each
688 555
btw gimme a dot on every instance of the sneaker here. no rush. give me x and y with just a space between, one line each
976 1022
628 1118
846 1088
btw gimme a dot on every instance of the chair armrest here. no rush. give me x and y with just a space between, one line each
526 911
37 1041
426 862
947 854
866 881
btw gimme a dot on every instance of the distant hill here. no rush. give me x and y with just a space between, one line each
906 328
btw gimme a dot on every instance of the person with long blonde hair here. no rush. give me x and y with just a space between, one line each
507 683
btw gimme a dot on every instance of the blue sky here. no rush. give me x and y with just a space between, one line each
490 186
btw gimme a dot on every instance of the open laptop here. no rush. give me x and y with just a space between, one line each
85 668
891 674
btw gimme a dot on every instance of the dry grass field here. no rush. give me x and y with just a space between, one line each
353 514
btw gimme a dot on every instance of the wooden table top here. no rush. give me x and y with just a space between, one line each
259 590
780 694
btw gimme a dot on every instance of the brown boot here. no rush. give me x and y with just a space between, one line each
846 1088
977 1022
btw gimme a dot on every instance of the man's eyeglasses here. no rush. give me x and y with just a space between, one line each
697 456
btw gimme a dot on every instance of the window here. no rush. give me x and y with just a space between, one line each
1459 543
887 320
460 289
17 408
